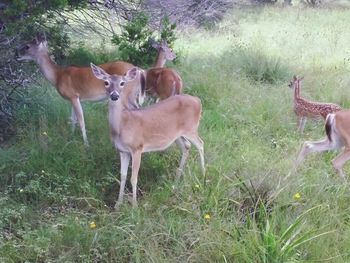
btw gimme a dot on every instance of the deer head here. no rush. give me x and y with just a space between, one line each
114 83
31 50
294 81
162 46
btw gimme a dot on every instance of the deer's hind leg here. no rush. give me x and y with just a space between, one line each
198 143
185 147
339 161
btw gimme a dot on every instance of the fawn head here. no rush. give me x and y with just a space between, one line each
114 83
295 80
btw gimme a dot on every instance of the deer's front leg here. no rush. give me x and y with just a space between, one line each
80 117
124 164
136 161
301 123
73 119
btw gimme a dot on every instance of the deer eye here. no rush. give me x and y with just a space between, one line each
106 83
122 83
27 47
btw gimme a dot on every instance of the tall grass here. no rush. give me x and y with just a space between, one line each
57 196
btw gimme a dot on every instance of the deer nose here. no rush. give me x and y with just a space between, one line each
114 96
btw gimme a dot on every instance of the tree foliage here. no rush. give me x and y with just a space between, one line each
21 19
133 42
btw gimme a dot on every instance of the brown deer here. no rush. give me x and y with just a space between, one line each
77 84
161 82
153 128
308 109
337 129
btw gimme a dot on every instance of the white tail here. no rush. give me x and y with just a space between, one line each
337 128
153 128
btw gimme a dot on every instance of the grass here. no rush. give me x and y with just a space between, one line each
53 188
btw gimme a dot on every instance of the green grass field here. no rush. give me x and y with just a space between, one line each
57 196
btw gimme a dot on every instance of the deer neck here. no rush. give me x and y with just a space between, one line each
115 110
296 91
160 61
48 67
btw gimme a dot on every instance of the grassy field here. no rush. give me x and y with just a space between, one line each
57 195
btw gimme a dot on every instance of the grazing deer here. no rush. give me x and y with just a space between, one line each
77 84
304 108
337 129
162 82
152 128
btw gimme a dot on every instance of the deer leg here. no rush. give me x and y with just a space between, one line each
198 143
80 117
124 163
185 147
136 161
73 119
301 124
315 146
339 161
298 122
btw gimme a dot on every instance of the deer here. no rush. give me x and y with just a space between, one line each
308 109
161 82
337 129
77 84
152 128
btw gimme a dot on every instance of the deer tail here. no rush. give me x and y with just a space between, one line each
330 121
174 89
142 93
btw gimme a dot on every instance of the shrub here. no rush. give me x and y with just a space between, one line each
81 55
133 42
261 67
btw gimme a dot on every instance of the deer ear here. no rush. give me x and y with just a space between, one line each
98 72
41 37
153 43
163 43
131 74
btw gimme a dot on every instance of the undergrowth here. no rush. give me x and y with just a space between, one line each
57 196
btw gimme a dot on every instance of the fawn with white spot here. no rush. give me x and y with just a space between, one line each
308 109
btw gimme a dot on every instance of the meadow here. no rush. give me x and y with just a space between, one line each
57 196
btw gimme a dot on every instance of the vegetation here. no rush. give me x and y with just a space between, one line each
57 196
134 40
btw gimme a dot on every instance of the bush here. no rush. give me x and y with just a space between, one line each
19 21
82 55
261 67
133 42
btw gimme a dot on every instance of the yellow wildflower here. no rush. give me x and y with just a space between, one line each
206 216
196 186
297 196
92 225
45 133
